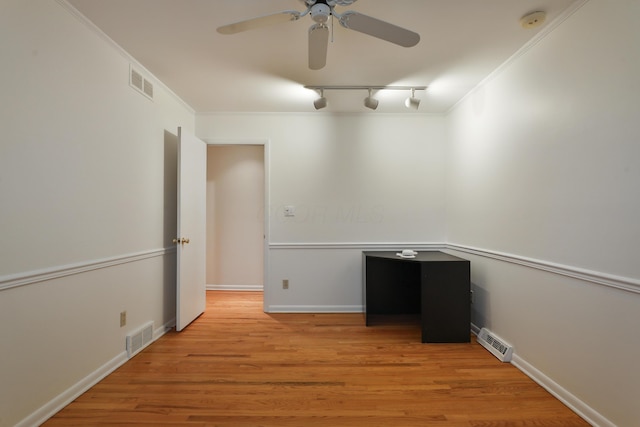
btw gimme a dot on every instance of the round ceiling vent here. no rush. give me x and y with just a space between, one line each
533 19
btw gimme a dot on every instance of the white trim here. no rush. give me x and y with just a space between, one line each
361 246
63 399
475 329
267 221
586 412
266 143
52 407
35 276
243 288
548 29
158 332
128 57
617 282
315 309
236 141
583 410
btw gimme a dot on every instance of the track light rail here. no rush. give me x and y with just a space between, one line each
370 102
354 87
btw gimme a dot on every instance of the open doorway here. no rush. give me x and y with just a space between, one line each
235 217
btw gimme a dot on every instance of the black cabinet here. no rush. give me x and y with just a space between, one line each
434 286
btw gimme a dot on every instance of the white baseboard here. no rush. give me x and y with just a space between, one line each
576 405
158 332
475 329
247 288
63 399
589 414
315 309
52 407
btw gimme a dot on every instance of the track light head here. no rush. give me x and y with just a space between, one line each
321 102
370 102
412 102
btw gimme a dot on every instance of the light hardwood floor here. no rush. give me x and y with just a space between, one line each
236 366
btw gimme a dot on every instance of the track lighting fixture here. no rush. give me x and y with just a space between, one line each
321 102
412 102
369 102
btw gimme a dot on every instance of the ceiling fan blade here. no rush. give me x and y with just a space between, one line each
262 21
380 29
318 42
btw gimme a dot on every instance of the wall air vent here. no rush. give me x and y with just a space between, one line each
148 89
139 83
495 345
139 339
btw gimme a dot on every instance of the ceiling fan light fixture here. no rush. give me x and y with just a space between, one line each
321 102
371 102
320 13
412 102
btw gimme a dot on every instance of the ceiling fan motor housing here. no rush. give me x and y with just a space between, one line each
331 3
320 13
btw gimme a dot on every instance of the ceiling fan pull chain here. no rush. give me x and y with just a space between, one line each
332 28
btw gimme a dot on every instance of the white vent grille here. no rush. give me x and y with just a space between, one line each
139 339
139 83
136 79
497 346
148 89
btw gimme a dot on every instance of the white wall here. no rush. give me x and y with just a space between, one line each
544 170
235 217
87 190
356 181
541 179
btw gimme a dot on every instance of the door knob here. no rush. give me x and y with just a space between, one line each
181 241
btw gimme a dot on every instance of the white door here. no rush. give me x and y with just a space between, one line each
191 239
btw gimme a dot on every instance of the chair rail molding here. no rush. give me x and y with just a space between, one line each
362 246
43 275
622 283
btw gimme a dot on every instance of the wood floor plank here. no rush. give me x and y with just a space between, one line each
237 366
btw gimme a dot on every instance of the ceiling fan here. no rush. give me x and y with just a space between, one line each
320 11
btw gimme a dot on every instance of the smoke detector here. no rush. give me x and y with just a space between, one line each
533 19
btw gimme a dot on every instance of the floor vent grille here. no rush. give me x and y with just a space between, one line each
139 83
139 339
497 346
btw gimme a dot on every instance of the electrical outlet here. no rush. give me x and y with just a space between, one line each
123 318
285 284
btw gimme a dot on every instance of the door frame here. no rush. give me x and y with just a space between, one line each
265 143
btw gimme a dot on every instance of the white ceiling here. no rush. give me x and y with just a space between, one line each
264 70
